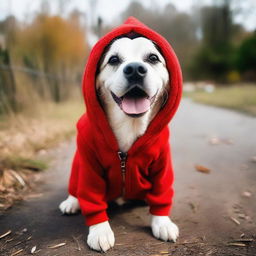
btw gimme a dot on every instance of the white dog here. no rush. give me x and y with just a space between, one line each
132 84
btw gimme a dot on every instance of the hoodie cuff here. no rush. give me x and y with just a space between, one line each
96 218
160 210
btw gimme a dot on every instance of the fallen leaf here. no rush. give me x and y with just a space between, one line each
241 216
33 249
77 242
247 194
6 234
237 206
18 177
9 240
192 206
24 230
248 217
203 169
203 238
57 245
214 141
16 253
235 220
236 244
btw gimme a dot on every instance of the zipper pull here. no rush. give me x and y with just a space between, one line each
122 156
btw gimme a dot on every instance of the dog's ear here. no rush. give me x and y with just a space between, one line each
158 48
164 97
103 57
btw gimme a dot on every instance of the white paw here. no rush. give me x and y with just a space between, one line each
101 237
70 205
164 229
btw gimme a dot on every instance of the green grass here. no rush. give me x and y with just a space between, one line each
19 163
240 98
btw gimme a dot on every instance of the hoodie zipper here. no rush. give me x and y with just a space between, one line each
122 157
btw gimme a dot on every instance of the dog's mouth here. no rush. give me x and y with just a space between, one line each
135 103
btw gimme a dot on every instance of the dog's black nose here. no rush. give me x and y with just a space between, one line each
135 71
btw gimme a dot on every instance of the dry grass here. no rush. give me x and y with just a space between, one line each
241 98
24 135
27 133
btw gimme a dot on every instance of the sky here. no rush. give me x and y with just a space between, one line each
109 10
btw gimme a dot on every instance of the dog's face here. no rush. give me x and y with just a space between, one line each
132 75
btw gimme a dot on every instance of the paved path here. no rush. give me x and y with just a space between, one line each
204 203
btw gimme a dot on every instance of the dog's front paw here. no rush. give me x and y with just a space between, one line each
70 205
101 237
163 228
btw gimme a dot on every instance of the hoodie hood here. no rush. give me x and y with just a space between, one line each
96 114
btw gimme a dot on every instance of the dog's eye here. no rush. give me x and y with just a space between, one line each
114 60
153 58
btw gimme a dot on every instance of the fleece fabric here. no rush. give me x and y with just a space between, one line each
96 175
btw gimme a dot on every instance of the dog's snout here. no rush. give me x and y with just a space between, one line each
135 71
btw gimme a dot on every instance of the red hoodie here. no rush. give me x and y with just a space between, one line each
101 173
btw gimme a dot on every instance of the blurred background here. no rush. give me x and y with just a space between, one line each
44 46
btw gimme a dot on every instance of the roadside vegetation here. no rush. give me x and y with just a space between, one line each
240 98
41 66
24 141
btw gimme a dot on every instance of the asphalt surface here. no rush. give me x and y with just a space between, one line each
211 209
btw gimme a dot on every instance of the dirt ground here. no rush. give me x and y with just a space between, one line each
215 210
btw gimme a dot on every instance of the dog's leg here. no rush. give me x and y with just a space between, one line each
101 237
164 229
70 205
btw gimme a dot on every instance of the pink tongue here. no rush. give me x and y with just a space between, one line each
135 106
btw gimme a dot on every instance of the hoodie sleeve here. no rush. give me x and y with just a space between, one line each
91 191
160 196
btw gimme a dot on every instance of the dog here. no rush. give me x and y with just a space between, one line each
132 86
